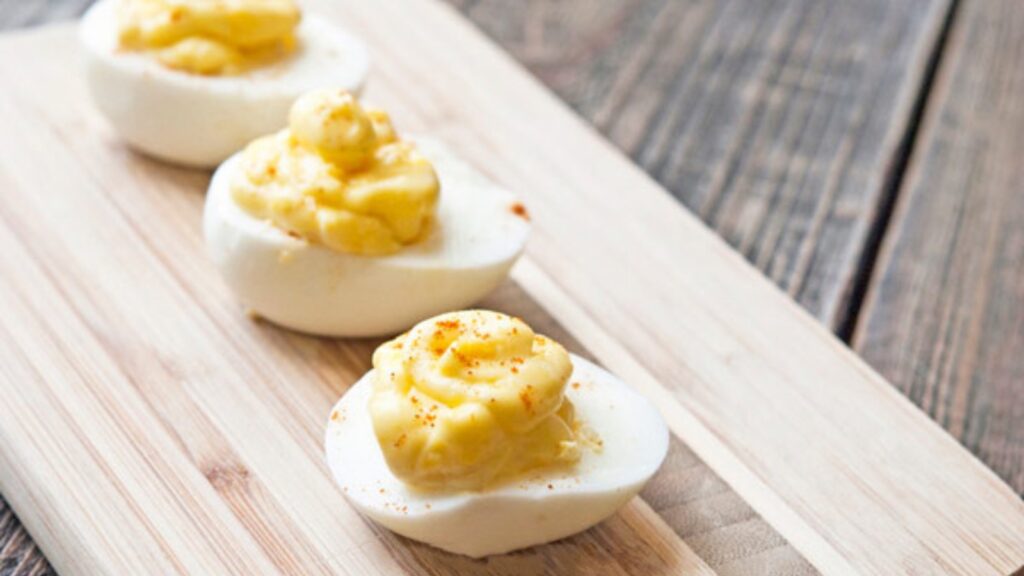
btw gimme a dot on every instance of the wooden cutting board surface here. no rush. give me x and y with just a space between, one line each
147 426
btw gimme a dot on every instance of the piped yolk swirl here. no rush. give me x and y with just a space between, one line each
339 176
469 399
211 37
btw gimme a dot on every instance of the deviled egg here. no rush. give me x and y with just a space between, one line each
336 226
192 81
478 436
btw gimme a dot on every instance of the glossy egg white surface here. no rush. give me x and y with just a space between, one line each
537 509
308 287
196 120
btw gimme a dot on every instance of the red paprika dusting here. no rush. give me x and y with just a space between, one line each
519 210
524 396
453 324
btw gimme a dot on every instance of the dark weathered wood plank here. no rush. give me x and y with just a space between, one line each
19 556
22 13
776 121
944 319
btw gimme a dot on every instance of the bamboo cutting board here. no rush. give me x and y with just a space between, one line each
147 426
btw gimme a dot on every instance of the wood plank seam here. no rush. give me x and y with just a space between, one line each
943 317
894 184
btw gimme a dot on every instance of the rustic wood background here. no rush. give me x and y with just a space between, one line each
865 155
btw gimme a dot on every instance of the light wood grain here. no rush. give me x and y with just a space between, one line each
687 506
728 535
239 422
191 375
945 319
783 412
622 64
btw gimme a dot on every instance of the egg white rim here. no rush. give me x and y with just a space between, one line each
563 484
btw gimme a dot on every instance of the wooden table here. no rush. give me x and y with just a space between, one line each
866 156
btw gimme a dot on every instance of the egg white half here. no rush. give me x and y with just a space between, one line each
197 120
535 510
310 288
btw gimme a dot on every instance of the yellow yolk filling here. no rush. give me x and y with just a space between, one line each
209 36
339 176
469 399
